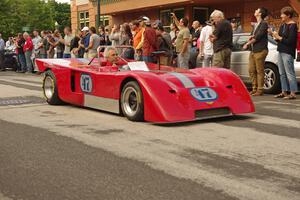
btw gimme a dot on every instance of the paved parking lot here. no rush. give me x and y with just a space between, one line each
67 152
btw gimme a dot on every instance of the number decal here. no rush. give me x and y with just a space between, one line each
86 83
204 94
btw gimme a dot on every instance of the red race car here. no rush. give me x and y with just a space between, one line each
145 91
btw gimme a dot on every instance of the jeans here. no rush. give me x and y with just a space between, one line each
287 73
2 60
205 61
28 61
22 62
193 57
67 55
59 55
183 60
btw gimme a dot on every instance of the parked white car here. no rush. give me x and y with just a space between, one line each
240 60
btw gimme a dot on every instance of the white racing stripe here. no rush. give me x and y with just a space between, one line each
187 83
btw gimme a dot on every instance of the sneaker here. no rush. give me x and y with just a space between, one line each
252 92
281 95
258 93
290 97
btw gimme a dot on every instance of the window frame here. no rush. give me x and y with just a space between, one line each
85 20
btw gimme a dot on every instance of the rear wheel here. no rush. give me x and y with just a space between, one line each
272 79
132 103
50 89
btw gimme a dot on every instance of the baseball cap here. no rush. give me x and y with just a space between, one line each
145 19
85 28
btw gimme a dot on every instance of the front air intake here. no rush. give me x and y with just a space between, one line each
212 113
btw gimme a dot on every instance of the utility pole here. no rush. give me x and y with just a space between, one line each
98 15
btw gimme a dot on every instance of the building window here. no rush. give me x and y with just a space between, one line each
200 14
84 19
104 20
165 16
179 12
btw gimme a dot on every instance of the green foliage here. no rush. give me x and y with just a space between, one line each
35 14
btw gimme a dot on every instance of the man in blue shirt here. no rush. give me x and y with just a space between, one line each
86 38
2 46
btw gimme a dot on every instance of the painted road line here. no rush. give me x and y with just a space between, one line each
275 121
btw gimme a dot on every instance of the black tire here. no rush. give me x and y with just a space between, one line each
50 89
272 79
132 101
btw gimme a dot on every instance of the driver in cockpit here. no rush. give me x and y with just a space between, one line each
111 56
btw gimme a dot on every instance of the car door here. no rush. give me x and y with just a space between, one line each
98 89
240 57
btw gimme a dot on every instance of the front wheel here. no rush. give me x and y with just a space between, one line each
132 103
50 89
272 79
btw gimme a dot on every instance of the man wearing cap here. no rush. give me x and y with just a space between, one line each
182 42
86 39
149 41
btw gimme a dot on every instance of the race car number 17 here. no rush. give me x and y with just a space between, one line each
86 83
204 94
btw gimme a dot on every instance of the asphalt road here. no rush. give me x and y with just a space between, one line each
67 152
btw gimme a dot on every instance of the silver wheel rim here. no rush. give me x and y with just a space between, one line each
130 101
270 78
48 87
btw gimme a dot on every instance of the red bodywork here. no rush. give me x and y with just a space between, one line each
166 97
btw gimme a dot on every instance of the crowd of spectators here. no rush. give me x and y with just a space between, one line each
206 45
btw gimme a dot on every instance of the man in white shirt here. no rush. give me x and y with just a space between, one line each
67 42
36 41
206 46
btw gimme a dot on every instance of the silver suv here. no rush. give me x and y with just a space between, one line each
240 60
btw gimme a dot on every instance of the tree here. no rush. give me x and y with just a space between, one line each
35 14
62 13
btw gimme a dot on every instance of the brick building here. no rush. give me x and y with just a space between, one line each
84 12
